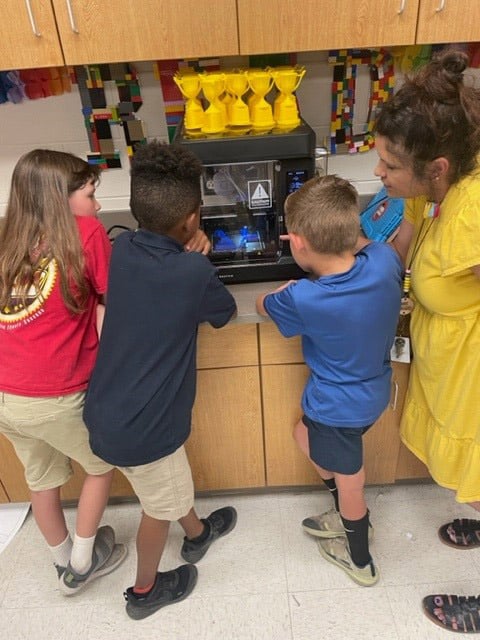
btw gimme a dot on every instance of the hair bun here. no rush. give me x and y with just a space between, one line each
454 64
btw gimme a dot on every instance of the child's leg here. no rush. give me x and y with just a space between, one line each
151 538
351 494
91 505
300 434
354 513
48 513
192 525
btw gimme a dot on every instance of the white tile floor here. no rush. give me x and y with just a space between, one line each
265 581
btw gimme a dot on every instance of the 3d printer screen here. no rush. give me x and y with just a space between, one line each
295 179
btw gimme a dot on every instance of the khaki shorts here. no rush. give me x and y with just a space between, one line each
164 487
46 433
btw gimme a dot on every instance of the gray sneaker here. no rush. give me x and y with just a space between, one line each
329 525
336 551
106 557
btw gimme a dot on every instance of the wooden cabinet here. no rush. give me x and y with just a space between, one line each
249 386
41 33
28 35
448 21
93 31
11 473
98 31
283 376
310 25
225 448
3 494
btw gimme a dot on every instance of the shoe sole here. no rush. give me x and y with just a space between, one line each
115 559
348 571
139 613
322 533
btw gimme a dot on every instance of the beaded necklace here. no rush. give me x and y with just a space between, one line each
431 211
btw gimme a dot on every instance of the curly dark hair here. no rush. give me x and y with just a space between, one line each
435 114
165 185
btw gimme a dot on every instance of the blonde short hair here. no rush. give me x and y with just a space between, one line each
325 211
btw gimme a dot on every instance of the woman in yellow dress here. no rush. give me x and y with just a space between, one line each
428 142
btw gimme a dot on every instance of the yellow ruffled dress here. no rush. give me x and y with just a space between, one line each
441 417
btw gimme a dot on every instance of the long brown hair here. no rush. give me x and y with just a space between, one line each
435 114
39 225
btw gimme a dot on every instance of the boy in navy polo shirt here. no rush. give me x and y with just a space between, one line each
141 394
347 314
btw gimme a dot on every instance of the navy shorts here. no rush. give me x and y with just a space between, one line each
335 449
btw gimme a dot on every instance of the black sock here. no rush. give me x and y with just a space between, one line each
332 487
205 533
357 536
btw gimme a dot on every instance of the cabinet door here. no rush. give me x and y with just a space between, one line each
231 346
11 473
282 387
98 31
28 35
289 25
3 495
225 447
448 21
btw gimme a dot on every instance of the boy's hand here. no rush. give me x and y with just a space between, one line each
284 286
199 243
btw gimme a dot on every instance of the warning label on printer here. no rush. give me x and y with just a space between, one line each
259 194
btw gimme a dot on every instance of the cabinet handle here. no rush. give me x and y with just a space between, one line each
32 19
402 7
440 7
393 405
71 17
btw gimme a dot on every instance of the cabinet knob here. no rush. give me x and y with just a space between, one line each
440 7
402 7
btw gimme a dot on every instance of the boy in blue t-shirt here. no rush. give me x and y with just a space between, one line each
140 398
347 314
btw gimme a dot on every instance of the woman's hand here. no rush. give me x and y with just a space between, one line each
199 243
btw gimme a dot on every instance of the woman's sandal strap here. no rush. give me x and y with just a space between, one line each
455 613
462 532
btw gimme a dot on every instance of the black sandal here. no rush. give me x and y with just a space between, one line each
455 613
461 533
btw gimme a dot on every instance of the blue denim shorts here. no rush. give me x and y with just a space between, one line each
336 449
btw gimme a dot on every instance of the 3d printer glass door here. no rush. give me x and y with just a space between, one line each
239 213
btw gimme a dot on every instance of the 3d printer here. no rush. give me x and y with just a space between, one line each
244 186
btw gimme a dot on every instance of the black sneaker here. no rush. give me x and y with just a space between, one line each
169 587
219 522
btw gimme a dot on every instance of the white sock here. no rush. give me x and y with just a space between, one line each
62 552
81 559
